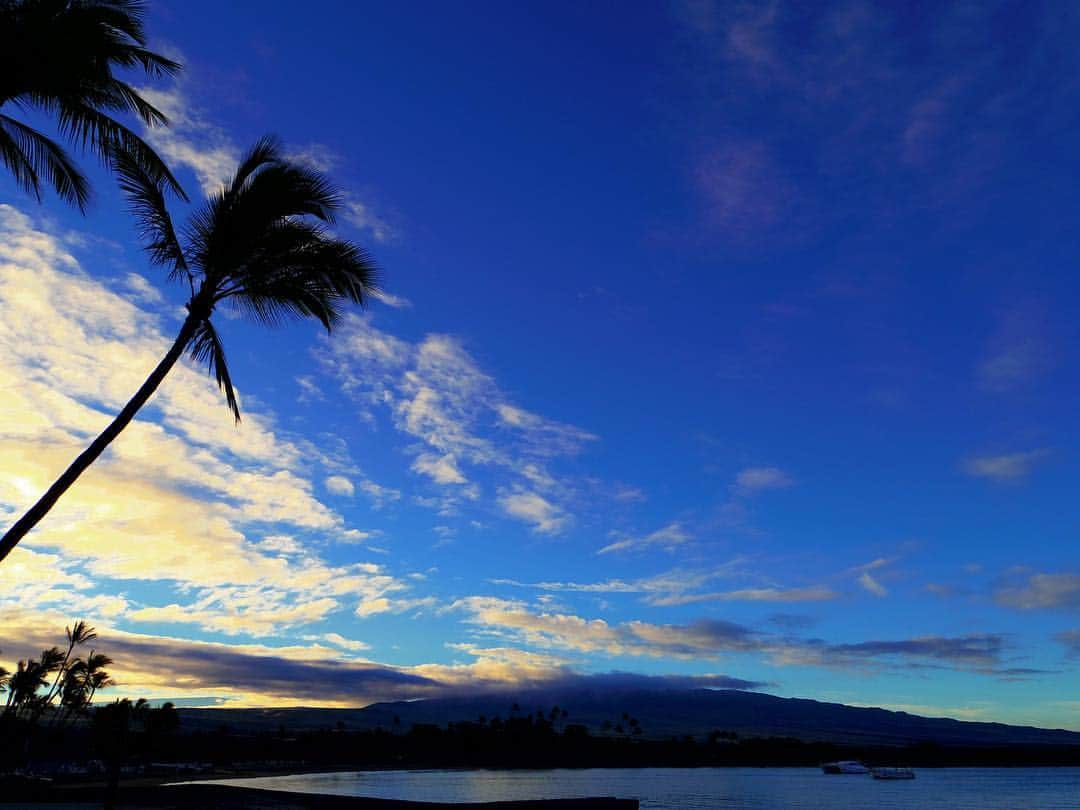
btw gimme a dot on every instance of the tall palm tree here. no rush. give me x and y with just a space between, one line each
58 56
260 244
81 633
81 682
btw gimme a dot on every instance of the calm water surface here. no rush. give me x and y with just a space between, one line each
671 788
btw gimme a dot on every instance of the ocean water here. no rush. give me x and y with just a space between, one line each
689 788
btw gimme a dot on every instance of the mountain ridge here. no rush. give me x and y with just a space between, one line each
659 714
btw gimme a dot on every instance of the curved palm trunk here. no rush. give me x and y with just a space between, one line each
88 456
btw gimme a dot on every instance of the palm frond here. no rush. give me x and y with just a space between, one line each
261 244
206 347
121 96
81 633
265 192
154 64
289 190
312 278
266 151
30 156
146 200
104 135
123 16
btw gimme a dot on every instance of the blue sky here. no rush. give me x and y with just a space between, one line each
722 341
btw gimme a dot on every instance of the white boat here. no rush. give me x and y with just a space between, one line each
893 773
845 766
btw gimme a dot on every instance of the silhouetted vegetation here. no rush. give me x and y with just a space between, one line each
534 742
47 693
133 737
58 683
59 57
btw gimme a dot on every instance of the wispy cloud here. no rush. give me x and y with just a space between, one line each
1019 353
866 580
753 480
192 139
667 538
1040 591
463 424
817 593
708 638
395 301
360 215
682 586
1004 468
778 67
868 583
744 189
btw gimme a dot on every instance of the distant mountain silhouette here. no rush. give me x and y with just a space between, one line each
659 713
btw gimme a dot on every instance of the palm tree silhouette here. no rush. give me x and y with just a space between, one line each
58 56
261 244
78 635
28 678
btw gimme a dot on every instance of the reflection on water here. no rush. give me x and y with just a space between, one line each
670 788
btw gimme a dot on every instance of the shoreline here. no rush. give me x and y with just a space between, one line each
230 797
165 792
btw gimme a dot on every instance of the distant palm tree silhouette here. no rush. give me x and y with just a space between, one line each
78 635
58 56
260 244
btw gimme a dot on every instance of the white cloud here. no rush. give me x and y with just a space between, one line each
1005 468
1041 592
192 139
683 587
395 301
375 606
309 389
318 156
350 644
359 215
630 495
514 620
759 479
867 581
379 494
441 469
339 485
815 593
141 289
668 538
545 517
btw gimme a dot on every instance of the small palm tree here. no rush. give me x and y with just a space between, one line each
58 56
261 245
28 678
